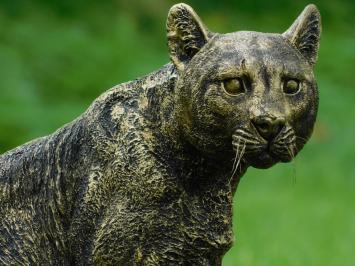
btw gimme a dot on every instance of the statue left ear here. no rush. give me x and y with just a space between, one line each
304 34
186 34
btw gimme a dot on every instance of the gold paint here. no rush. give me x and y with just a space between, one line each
146 175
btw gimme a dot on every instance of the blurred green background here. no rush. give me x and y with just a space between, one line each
57 56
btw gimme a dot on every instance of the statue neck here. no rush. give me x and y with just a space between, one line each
173 147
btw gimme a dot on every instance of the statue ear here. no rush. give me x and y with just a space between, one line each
186 34
304 34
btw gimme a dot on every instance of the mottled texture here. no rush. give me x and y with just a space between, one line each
146 175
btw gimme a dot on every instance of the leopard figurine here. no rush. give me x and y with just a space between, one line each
146 176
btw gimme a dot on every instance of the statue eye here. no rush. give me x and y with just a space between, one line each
291 86
233 86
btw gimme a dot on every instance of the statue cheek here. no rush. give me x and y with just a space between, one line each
220 106
217 104
295 107
302 116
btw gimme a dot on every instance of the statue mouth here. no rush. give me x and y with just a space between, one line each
252 148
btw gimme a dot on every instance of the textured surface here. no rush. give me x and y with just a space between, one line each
146 175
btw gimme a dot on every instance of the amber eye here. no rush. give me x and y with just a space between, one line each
233 86
291 86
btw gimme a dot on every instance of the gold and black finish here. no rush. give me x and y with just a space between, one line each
146 175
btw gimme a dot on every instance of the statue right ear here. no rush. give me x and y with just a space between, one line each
186 34
304 34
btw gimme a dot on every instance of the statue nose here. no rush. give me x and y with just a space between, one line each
268 127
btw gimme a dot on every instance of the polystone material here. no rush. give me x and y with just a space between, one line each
146 175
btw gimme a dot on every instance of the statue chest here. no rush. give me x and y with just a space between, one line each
207 223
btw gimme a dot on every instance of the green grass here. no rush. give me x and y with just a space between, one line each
57 57
299 214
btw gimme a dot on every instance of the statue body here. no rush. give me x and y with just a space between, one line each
146 175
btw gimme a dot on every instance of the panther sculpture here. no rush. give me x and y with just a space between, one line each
146 175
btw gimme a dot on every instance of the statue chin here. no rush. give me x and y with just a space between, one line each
263 160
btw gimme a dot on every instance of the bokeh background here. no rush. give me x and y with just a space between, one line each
57 56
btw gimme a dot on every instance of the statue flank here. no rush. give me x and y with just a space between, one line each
146 175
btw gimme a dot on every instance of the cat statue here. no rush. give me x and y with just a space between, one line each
146 176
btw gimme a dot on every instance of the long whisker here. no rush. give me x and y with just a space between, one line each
286 135
293 150
251 142
288 130
247 135
234 164
241 156
284 152
236 155
285 143
289 152
302 139
238 163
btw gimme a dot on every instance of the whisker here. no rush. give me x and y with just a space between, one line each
294 149
247 135
302 139
236 156
240 157
235 166
286 136
288 130
250 142
291 153
294 173
285 143
253 147
281 146
284 152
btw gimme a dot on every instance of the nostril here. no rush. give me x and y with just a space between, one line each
263 126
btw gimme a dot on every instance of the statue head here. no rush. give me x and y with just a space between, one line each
248 92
